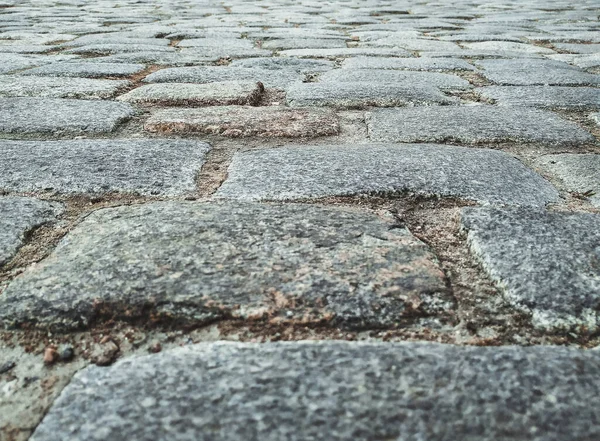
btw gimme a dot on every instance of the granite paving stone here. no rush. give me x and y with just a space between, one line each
334 391
425 64
346 52
242 121
201 262
546 263
51 87
302 65
116 48
139 166
57 116
86 69
210 74
299 172
363 94
304 43
507 46
397 78
185 94
528 72
19 216
553 97
580 173
474 125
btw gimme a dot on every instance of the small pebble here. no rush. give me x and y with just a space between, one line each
50 355
67 354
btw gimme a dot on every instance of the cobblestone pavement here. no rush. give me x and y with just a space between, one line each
299 220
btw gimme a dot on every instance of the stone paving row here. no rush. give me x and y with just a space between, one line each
178 172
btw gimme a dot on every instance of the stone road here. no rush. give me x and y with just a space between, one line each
299 220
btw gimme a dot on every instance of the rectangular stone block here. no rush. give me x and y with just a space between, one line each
51 87
553 97
395 78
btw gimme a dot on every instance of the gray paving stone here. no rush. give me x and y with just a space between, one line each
507 46
218 52
578 48
201 262
545 262
299 172
346 52
528 72
52 87
86 69
334 391
19 216
426 64
554 97
184 94
157 58
114 48
580 173
209 74
303 43
239 121
146 167
397 78
363 94
302 65
30 116
15 62
474 125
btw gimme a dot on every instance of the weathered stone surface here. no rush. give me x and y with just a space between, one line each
426 64
85 69
117 48
51 87
147 167
334 391
507 46
185 94
363 94
554 97
300 172
396 78
346 52
528 72
302 65
474 125
210 74
545 262
580 173
239 121
304 43
58 116
18 216
200 262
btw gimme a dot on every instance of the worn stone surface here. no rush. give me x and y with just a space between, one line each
18 216
426 64
396 78
546 263
334 391
184 94
200 262
50 87
240 121
299 172
474 125
85 69
302 65
579 173
528 72
147 167
554 97
210 74
57 116
346 52
363 94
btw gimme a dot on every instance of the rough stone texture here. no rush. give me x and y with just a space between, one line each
290 173
201 262
51 87
18 216
474 125
580 173
426 64
507 46
147 167
302 65
116 48
528 72
85 69
363 94
210 74
334 391
183 94
239 121
396 78
346 52
554 97
545 262
60 116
